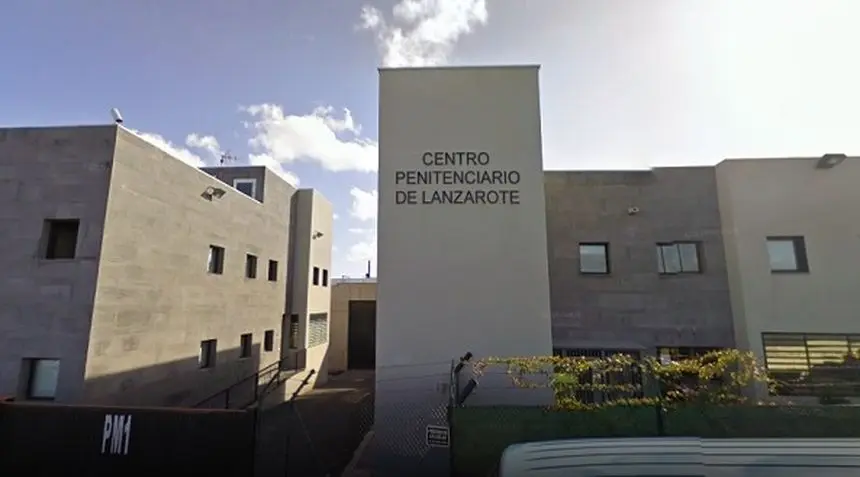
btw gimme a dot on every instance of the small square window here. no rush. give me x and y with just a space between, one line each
246 341
787 254
325 277
678 257
316 277
273 271
594 258
43 376
250 266
216 259
246 186
269 340
208 353
60 238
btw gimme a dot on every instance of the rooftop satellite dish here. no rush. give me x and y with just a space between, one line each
117 117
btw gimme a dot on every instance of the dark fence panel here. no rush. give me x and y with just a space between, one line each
110 441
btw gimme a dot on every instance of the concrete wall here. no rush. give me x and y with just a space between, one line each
470 276
46 305
312 244
790 197
156 301
633 307
342 293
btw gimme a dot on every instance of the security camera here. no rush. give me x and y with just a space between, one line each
117 117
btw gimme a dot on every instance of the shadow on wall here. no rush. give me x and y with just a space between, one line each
183 382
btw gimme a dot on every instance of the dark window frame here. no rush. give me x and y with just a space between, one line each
273 271
325 277
269 340
606 260
215 261
244 181
56 229
246 345
315 276
208 354
251 266
662 269
31 369
801 259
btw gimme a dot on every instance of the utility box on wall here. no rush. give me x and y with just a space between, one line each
461 233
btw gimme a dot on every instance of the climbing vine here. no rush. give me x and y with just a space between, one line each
717 377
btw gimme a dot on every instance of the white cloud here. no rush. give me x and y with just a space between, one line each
315 137
422 32
178 152
364 204
274 166
207 143
364 209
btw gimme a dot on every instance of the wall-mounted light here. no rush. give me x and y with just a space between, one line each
211 192
829 161
317 234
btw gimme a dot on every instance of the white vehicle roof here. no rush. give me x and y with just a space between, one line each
683 456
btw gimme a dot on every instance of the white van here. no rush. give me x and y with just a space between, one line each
683 457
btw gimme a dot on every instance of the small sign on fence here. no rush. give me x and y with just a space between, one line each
438 436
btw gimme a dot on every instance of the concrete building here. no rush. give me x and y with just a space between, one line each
636 262
792 239
129 276
353 324
753 254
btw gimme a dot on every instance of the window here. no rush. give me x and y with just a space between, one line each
325 278
813 364
208 353
787 254
294 332
246 341
269 340
678 257
250 266
216 259
246 186
60 238
273 271
594 258
43 375
316 279
317 329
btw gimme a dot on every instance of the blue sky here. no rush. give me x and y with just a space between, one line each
624 84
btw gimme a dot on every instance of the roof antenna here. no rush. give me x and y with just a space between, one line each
367 275
117 117
227 157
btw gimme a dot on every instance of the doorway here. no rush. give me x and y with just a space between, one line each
361 337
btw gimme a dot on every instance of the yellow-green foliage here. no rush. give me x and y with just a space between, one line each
716 377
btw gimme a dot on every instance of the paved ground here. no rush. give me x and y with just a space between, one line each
317 434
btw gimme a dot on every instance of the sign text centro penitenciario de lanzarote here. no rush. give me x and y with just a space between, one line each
456 178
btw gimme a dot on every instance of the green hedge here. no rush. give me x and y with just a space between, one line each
480 434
